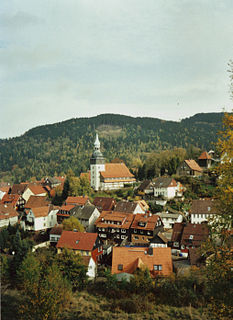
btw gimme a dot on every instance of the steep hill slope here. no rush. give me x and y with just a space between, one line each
54 148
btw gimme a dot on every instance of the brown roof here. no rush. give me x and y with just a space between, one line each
57 230
41 211
204 156
107 219
10 198
104 204
77 240
132 258
67 207
18 188
149 221
177 232
203 206
36 189
7 211
199 233
5 189
193 165
116 170
79 201
37 201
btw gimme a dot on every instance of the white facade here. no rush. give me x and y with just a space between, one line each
167 193
95 175
41 222
169 219
91 269
198 218
2 193
5 222
28 192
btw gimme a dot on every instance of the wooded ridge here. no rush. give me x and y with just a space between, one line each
53 149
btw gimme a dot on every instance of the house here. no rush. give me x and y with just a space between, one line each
114 226
65 212
83 243
189 168
202 210
146 187
108 176
177 235
87 216
159 240
55 234
145 227
15 199
91 266
205 160
129 259
165 187
169 219
36 202
8 215
41 218
145 207
34 189
4 189
104 203
193 235
129 207
18 188
77 201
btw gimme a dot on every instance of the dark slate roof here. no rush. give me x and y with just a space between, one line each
85 212
144 185
164 182
177 232
199 233
125 206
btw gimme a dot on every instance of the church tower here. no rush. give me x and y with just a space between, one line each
97 164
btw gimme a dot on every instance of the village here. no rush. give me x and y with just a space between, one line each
157 228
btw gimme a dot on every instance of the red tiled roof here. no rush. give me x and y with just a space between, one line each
205 156
132 258
107 219
79 201
10 198
37 201
19 188
77 240
5 189
67 207
104 204
7 211
150 221
41 211
116 170
36 189
193 165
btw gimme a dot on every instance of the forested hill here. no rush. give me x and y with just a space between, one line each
53 149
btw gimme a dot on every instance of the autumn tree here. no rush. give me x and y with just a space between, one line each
46 291
71 224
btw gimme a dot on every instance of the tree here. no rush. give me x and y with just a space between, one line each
72 268
71 224
46 291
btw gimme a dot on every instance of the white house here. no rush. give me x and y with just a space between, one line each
40 218
91 266
165 187
33 190
130 207
202 210
8 215
169 219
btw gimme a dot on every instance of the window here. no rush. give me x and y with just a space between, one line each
136 237
157 267
123 237
123 231
120 267
135 230
191 237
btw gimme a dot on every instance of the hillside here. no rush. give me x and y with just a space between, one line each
53 149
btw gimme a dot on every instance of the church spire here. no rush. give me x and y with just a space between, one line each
97 142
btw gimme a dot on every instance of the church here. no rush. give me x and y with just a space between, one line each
107 176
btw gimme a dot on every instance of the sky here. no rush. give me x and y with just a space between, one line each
62 59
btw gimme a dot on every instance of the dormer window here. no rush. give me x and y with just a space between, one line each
191 237
141 224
